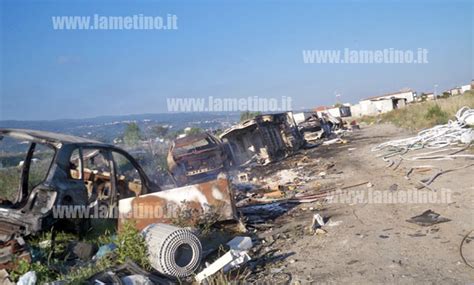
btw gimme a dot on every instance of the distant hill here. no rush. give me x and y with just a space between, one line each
106 128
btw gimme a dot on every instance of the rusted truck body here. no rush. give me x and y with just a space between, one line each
87 175
196 158
263 139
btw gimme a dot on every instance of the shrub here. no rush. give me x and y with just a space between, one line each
436 114
131 245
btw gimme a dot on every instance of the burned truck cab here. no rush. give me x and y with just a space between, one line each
196 158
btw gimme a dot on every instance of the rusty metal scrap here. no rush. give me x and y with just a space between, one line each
192 203
12 251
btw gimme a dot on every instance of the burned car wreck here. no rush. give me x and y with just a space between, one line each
60 171
196 158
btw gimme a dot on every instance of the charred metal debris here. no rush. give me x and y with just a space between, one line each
240 181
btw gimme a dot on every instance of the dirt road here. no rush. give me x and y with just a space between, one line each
367 240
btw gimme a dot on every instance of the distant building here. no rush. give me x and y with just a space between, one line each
370 107
408 95
386 103
356 110
466 88
430 96
343 111
455 91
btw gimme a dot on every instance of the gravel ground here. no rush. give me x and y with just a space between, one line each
369 241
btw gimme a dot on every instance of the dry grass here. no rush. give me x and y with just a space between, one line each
425 114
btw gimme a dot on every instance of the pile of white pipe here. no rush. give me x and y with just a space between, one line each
454 132
172 251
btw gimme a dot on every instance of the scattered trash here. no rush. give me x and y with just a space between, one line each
5 278
274 194
12 250
262 212
82 250
45 244
428 218
104 250
282 177
437 137
332 223
243 177
173 251
136 280
240 243
111 276
334 141
320 232
428 181
231 259
236 256
318 221
29 278
467 138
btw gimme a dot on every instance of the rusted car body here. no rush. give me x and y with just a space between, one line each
85 173
196 158
263 139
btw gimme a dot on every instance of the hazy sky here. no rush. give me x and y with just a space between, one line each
222 49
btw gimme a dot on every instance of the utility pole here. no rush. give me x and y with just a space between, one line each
434 93
338 95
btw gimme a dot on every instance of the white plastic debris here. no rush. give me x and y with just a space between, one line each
235 257
468 137
45 244
465 115
232 259
240 243
333 141
333 223
29 278
318 221
438 136
136 280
